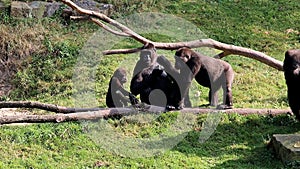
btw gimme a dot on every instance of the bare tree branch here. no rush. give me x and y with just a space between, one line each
108 20
108 28
125 31
121 51
228 49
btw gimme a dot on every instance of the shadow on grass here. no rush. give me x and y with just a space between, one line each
241 141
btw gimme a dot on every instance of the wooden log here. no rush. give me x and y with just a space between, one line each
113 112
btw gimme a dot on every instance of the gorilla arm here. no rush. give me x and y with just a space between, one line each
168 66
182 78
188 72
124 95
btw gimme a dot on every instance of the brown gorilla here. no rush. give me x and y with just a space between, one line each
291 67
116 95
208 72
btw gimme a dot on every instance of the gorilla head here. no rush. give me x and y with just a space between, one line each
148 58
148 55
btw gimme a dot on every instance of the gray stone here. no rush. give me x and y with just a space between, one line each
38 8
20 9
287 147
44 9
106 9
52 8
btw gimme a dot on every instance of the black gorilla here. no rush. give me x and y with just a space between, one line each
154 85
208 72
291 67
116 95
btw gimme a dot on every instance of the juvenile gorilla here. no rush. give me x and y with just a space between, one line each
291 67
208 72
150 80
116 95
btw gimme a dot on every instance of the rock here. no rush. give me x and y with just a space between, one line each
95 6
106 9
287 147
20 9
52 8
44 9
38 8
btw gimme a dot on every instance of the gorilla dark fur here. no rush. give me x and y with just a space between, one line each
208 72
291 67
116 95
151 82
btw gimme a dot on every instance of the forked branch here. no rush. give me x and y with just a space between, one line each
102 20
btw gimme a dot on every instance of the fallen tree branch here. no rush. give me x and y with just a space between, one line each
241 111
97 113
57 118
44 106
125 31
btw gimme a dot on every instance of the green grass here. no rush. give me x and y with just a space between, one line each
238 142
53 48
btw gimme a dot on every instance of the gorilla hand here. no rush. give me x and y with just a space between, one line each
133 99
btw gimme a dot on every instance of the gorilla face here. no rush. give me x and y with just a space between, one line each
121 75
182 56
145 57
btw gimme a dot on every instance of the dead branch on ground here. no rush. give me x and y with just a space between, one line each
97 113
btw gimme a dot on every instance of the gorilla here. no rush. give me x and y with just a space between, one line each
154 85
208 72
291 68
116 95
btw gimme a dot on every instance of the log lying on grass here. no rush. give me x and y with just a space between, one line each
44 106
97 113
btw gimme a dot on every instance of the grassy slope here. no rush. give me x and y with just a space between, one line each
239 142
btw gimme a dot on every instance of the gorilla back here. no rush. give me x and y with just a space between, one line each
291 67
